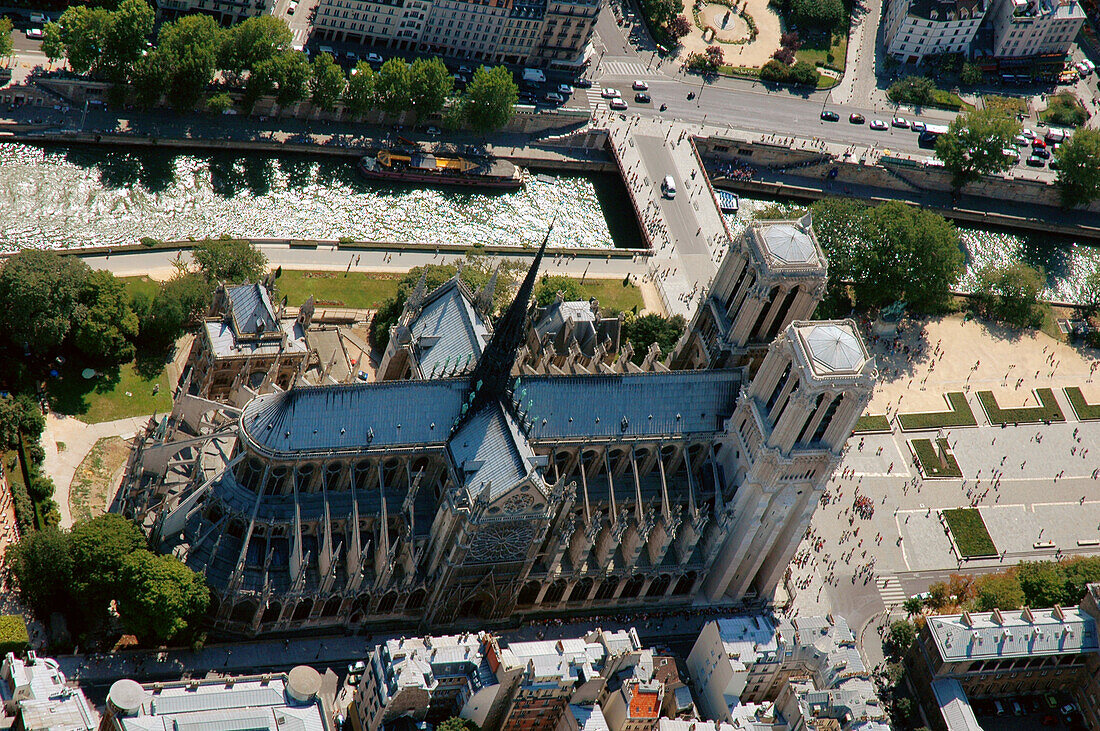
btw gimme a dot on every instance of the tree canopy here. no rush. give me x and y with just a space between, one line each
820 14
160 596
19 415
178 304
230 260
252 41
645 330
887 253
394 85
327 82
42 568
106 326
1079 167
6 45
360 93
97 548
915 90
430 83
187 50
1010 293
38 298
490 99
974 145
548 286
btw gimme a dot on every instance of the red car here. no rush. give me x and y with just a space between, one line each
1038 143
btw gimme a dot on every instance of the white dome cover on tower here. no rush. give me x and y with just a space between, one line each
835 348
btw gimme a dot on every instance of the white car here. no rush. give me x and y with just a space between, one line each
618 104
34 33
878 124
565 89
900 123
374 58
639 85
1027 133
917 126
1020 141
609 93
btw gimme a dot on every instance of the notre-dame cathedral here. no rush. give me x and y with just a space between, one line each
522 467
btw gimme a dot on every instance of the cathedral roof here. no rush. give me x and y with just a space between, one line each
491 453
448 330
250 310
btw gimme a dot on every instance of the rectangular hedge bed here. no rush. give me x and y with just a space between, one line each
960 415
929 457
1084 410
969 531
872 423
1049 411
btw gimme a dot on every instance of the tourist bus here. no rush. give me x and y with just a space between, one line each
931 133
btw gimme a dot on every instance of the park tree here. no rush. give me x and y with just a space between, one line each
160 597
52 45
548 286
998 591
822 14
6 45
105 326
99 547
360 93
974 145
429 86
83 34
917 91
43 570
393 86
1079 168
803 73
229 260
913 605
20 416
662 12
645 330
129 28
178 304
490 99
38 296
971 74
327 82
188 50
249 43
1010 293
678 27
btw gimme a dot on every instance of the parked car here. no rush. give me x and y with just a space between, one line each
1020 141
434 131
1036 162
582 83
642 98
554 98
609 93
356 667
639 85
900 123
374 58
917 127
565 89
34 32
856 118
1041 152
1027 133
879 124
1017 708
1068 708
618 104
830 116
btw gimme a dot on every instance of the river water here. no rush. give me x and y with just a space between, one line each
66 197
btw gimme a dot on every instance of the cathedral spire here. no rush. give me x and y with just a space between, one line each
491 378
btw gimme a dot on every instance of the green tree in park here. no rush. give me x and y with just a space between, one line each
42 568
6 45
548 286
1079 167
971 74
229 260
53 47
160 598
38 296
20 416
430 83
83 34
360 93
490 99
393 86
188 50
249 43
915 90
98 548
661 13
821 14
327 82
179 303
105 326
1010 293
998 591
126 35
645 330
974 145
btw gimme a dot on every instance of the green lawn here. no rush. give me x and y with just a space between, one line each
1084 410
969 531
872 423
1064 110
104 398
361 290
1009 105
814 51
140 284
1048 411
935 462
612 294
960 415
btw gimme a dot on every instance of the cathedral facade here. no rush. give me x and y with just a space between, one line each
519 468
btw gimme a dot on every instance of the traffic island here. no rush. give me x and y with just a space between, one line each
1046 412
959 415
935 460
969 536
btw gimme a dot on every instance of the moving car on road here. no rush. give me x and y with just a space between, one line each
554 98
582 83
917 126
900 123
609 93
565 89
830 116
618 104
856 118
642 98
34 32
639 85
879 124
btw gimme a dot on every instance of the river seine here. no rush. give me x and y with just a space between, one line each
69 198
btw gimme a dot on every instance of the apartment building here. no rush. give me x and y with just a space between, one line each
1026 29
549 33
914 29
226 12
38 698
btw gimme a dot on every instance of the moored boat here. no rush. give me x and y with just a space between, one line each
440 169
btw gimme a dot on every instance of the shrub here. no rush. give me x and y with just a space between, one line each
773 71
679 27
149 241
802 73
219 103
790 40
13 633
784 56
22 504
915 90
1064 110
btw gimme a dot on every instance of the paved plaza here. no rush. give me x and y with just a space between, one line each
1034 484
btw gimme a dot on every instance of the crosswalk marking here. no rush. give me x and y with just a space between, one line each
623 68
594 98
889 588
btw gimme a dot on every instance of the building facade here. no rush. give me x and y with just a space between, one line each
548 33
226 12
1026 30
468 489
38 697
914 29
